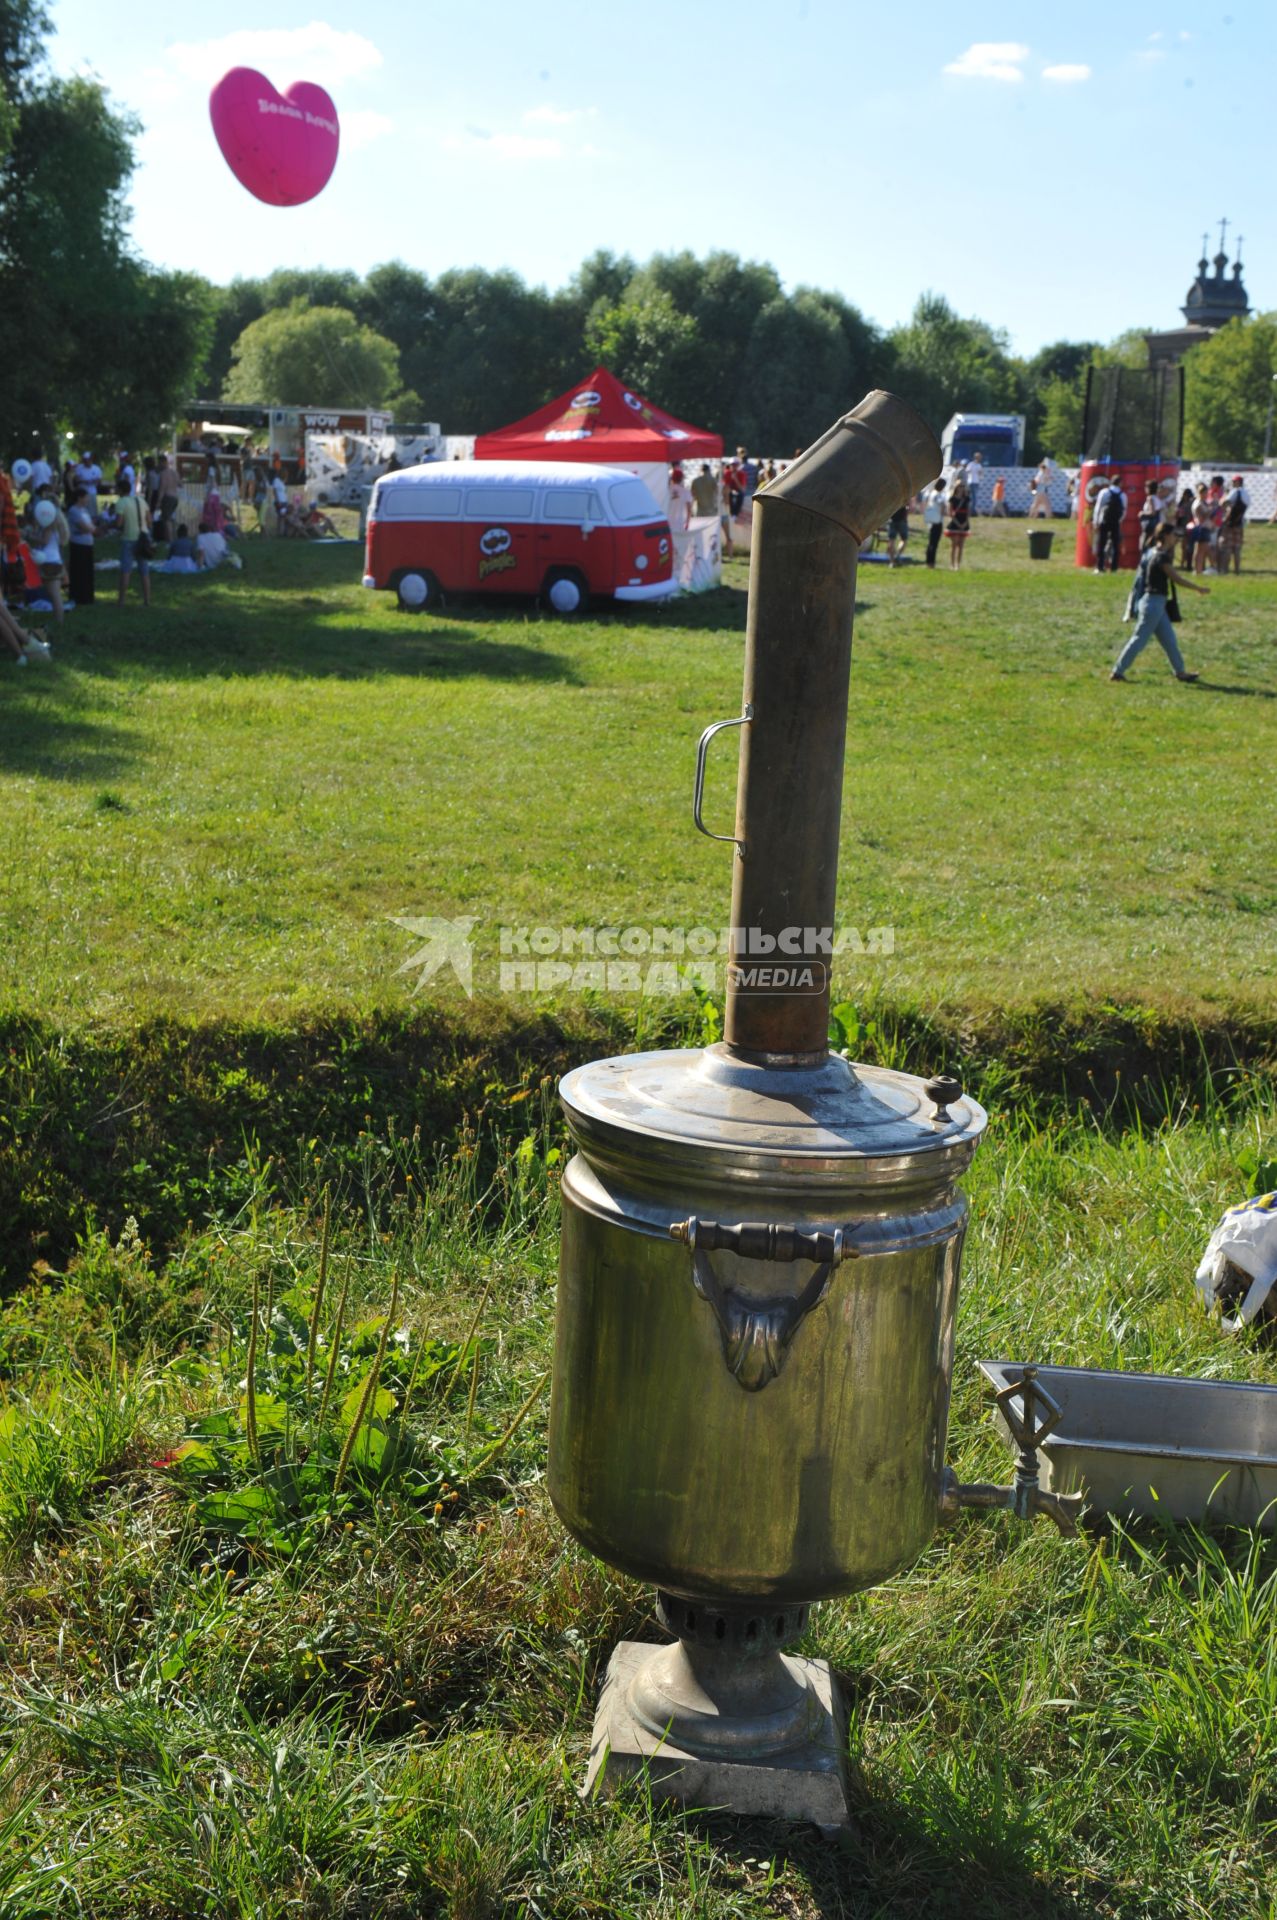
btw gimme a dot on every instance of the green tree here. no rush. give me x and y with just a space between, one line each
810 356
1228 391
1063 361
1060 427
723 295
394 300
322 356
90 338
601 279
236 307
645 341
945 364
490 350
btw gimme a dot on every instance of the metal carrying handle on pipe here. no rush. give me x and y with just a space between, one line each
757 1334
1024 1497
698 791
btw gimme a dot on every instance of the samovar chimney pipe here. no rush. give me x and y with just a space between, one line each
807 531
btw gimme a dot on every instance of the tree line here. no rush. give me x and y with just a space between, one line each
95 340
717 340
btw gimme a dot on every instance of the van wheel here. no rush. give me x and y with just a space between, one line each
566 592
419 592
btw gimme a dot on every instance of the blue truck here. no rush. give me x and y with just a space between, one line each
997 437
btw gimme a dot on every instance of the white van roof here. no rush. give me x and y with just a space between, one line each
544 473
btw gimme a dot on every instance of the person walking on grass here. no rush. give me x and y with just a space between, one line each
1106 525
1156 608
933 515
135 543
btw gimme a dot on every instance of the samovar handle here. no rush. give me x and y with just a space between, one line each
698 790
757 1334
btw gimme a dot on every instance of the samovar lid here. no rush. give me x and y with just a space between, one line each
855 1125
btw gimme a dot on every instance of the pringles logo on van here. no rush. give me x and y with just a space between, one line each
495 554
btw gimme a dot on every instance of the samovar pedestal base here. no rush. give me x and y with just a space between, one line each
724 1720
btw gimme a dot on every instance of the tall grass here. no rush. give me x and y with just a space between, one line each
388 1714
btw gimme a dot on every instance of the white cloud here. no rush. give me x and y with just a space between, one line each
990 60
503 146
1066 75
1151 53
361 128
557 116
316 52
525 146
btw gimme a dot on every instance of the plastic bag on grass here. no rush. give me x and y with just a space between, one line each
1239 1266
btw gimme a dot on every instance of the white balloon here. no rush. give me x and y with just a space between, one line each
21 471
45 513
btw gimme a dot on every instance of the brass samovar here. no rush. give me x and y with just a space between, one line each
761 1241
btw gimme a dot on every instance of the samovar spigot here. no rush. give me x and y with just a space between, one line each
1030 1421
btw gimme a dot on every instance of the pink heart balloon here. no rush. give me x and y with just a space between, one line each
281 146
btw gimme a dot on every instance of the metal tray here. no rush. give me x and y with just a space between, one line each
1151 1443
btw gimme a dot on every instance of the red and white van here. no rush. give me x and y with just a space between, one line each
558 529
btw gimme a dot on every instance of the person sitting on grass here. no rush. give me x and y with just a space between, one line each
315 525
182 557
1154 596
292 523
211 546
22 645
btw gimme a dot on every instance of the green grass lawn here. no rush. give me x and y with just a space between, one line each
289 1664
230 1688
217 808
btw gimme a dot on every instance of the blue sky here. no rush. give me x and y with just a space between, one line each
1049 169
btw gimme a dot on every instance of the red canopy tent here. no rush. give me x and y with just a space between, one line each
600 421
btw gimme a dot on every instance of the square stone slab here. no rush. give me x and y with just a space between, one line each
804 1783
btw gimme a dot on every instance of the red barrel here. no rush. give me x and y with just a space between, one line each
1132 476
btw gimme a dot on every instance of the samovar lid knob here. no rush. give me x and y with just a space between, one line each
943 1091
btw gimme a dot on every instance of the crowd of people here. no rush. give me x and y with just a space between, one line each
1209 522
722 495
52 517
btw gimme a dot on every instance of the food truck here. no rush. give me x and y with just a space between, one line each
216 427
564 531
